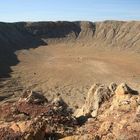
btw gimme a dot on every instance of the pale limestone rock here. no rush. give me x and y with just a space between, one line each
124 99
122 89
96 95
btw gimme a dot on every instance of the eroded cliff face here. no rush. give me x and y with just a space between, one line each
110 33
25 35
123 35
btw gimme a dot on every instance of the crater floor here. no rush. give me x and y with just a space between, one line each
70 69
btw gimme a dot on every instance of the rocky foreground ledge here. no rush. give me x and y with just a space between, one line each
109 113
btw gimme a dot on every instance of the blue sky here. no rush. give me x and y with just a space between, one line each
71 10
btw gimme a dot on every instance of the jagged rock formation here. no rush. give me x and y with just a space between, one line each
97 94
117 117
31 120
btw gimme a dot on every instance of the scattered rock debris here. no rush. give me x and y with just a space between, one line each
109 113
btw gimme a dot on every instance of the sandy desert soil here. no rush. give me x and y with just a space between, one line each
67 57
70 70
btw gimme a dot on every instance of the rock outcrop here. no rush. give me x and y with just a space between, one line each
118 118
32 118
112 112
97 95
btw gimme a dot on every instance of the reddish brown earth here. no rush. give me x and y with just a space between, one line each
33 118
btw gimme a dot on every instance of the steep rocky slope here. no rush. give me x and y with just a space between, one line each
118 33
33 117
17 36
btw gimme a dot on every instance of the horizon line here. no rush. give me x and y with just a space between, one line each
70 21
